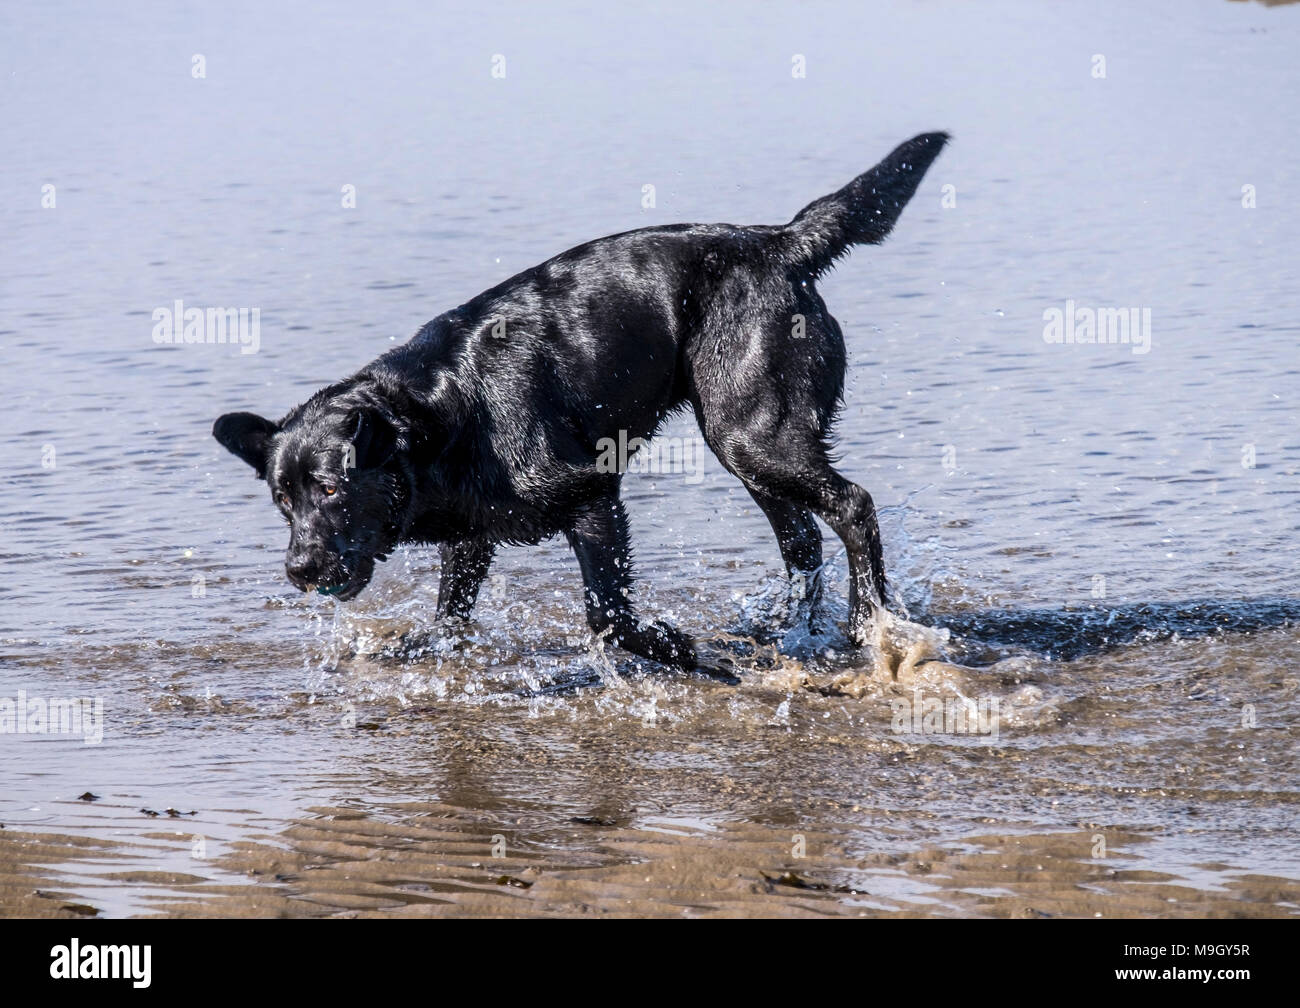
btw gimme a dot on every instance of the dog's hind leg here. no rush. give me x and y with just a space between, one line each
796 471
800 541
464 566
599 537
849 510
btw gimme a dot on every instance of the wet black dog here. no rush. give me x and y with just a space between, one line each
485 428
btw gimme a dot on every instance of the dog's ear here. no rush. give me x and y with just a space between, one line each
248 436
373 437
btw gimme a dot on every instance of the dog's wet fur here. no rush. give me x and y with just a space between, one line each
486 427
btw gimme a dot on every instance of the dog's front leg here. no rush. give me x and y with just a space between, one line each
464 566
600 539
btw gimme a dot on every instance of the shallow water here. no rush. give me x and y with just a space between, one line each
1095 544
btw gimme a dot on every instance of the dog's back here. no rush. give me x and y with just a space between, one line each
637 321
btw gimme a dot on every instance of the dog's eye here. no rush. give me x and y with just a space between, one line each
329 488
282 499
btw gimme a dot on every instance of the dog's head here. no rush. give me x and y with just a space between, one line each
334 466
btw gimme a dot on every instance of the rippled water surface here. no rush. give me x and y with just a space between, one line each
1096 544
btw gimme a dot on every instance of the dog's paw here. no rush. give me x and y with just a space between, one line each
452 628
716 664
867 629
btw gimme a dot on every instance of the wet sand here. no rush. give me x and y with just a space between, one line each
428 860
799 793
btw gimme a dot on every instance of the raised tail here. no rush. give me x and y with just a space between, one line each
864 211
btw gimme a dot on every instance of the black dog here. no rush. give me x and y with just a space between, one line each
484 428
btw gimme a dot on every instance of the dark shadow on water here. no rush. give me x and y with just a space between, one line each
1066 634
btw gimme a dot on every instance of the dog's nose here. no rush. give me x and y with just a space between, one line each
302 570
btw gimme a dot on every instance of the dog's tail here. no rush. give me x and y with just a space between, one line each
864 211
